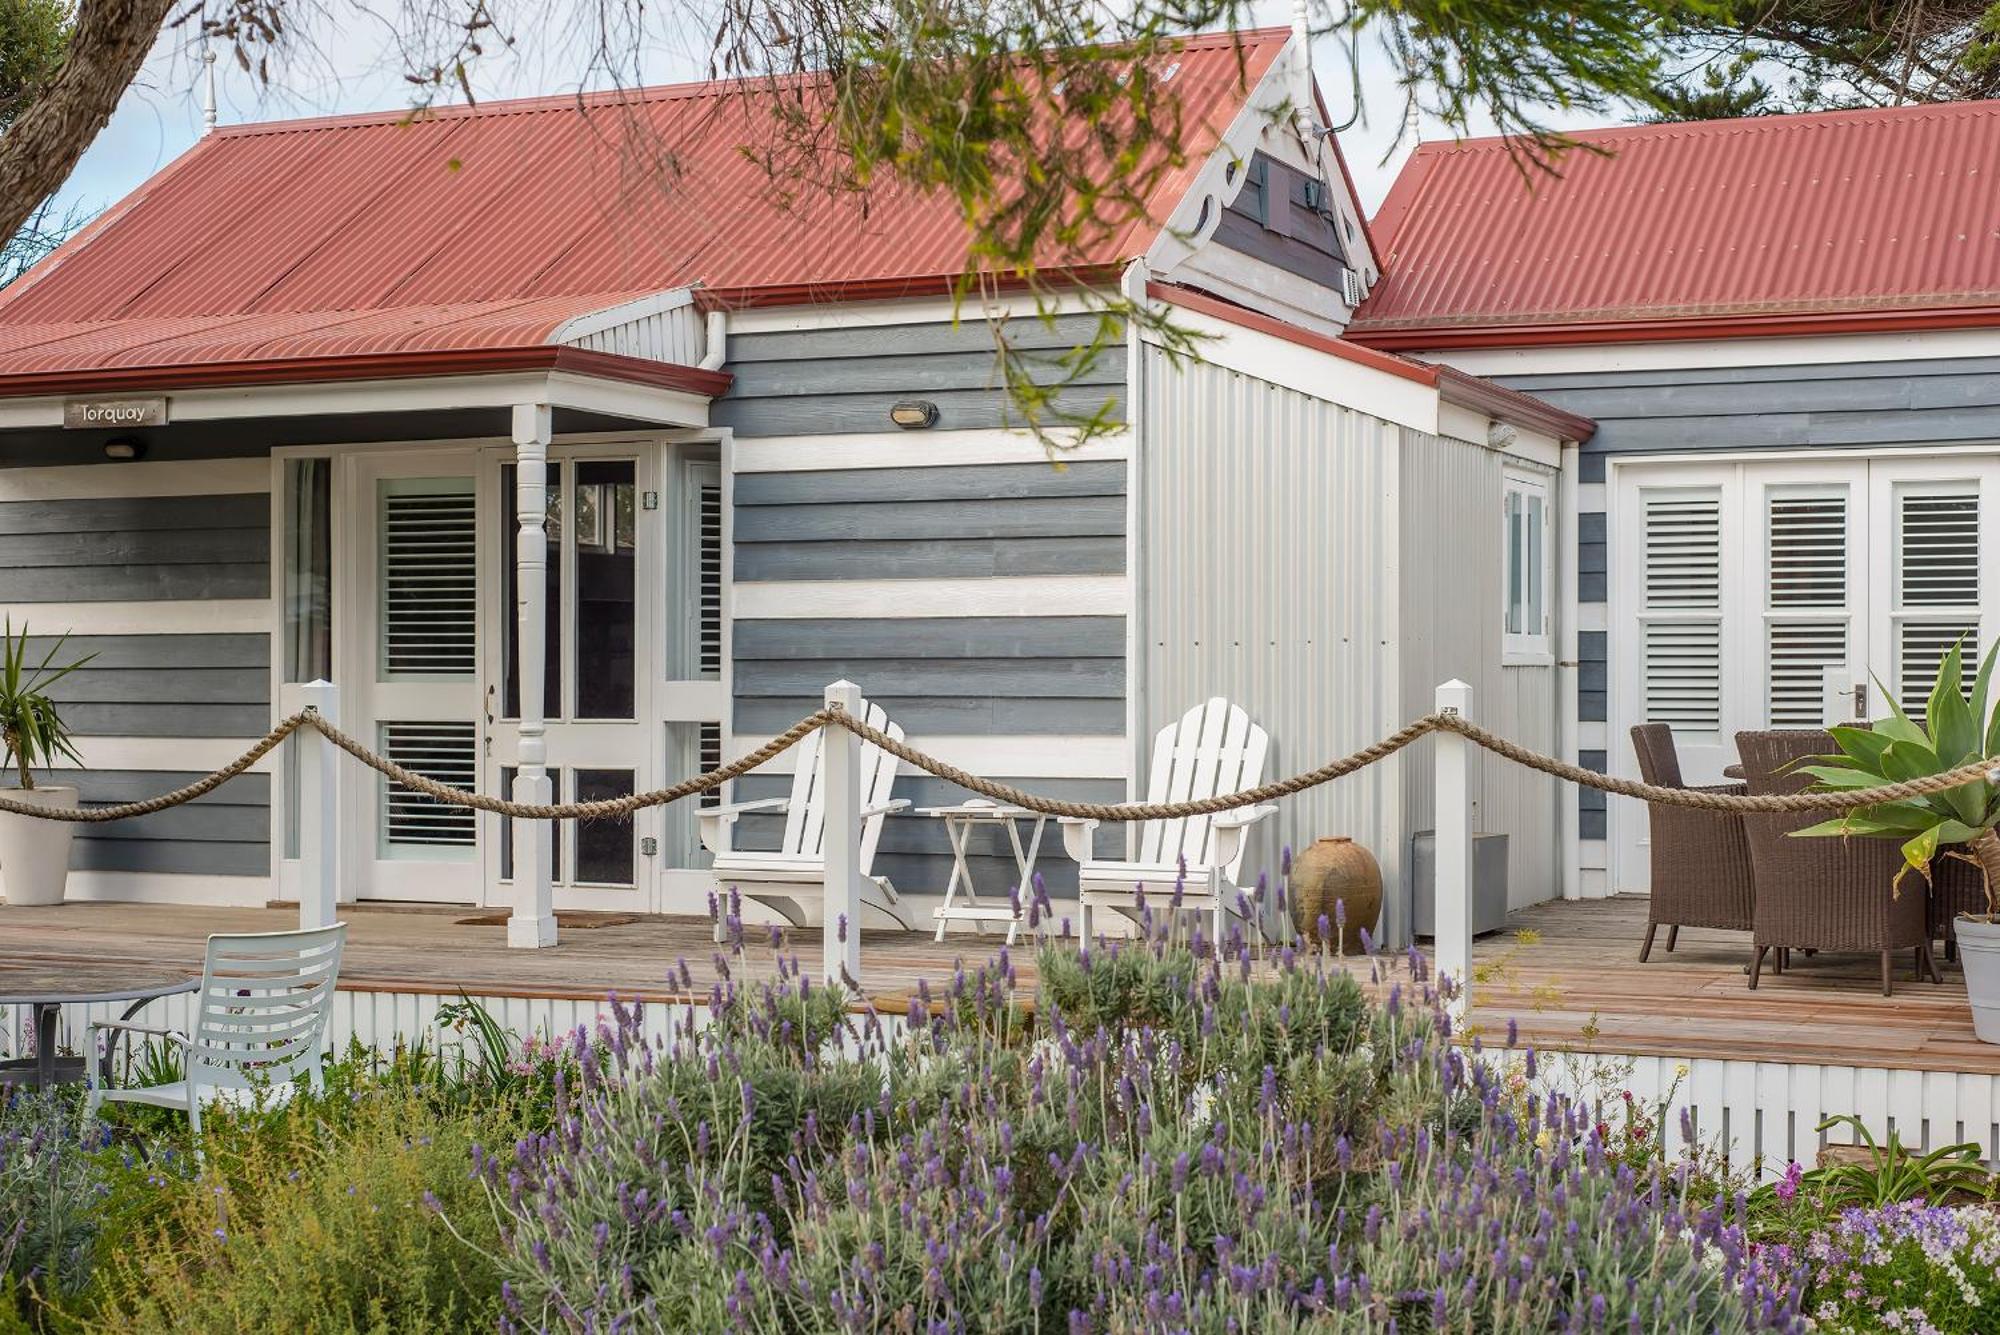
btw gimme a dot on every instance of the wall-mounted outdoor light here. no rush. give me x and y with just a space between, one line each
914 414
124 448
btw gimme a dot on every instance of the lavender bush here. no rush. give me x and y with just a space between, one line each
51 1187
1171 1138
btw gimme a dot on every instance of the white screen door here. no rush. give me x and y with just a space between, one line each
1735 586
603 621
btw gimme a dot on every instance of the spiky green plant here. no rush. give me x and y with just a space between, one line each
1955 730
30 723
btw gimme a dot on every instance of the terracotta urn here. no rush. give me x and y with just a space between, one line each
1339 882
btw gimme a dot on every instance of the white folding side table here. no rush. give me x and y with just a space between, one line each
959 823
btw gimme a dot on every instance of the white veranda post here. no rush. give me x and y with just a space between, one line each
1453 861
533 922
319 784
840 753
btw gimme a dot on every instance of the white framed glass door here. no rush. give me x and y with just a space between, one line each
414 660
1736 585
602 603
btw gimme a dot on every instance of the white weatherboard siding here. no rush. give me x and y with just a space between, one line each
191 616
1022 596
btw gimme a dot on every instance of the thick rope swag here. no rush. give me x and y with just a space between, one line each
613 808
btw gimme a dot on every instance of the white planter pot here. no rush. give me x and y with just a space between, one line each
34 853
1979 953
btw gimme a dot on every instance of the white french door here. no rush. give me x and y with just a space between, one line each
414 658
1735 586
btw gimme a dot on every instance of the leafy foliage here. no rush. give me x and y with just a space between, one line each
51 1190
1892 1174
1836 53
1897 749
30 723
33 37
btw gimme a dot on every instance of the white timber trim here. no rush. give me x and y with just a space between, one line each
561 389
166 616
996 756
596 322
1813 350
1336 380
153 887
167 477
915 449
176 754
1009 596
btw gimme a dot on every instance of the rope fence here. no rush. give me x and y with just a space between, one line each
613 808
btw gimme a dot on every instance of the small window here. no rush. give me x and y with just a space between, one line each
1525 571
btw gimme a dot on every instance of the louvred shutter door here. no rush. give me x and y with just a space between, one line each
1806 593
1936 584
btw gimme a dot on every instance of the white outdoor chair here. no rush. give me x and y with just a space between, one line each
1213 749
792 880
260 1023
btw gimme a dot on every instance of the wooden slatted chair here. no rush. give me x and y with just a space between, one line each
260 1024
1212 749
792 880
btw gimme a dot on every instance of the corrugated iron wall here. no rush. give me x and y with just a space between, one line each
1268 574
1451 609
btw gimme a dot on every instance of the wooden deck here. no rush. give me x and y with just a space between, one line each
1567 973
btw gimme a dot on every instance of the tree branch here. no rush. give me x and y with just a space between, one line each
110 41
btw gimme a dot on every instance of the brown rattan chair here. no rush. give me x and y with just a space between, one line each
1824 894
1701 859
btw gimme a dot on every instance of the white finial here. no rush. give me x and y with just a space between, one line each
1299 32
208 91
1413 122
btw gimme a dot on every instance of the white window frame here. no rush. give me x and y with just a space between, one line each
1534 648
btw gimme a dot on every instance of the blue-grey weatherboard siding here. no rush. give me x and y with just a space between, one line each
223 833
154 549
1590 802
135 548
1840 405
962 675
820 381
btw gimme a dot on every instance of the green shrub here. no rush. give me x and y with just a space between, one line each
314 1217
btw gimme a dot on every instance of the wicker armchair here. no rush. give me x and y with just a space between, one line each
1823 894
1701 859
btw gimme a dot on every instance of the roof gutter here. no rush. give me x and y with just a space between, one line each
1511 405
371 366
1417 338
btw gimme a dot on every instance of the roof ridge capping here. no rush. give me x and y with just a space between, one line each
638 95
1727 125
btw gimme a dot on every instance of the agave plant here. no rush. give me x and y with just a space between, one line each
1954 731
30 724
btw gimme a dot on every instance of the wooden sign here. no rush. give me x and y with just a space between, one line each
114 414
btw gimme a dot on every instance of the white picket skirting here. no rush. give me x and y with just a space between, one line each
1759 1111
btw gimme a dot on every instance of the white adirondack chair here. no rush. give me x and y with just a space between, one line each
260 1023
1214 748
793 879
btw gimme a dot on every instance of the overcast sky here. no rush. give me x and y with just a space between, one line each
361 69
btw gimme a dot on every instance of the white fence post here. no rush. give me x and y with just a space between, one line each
840 777
533 922
1453 915
319 833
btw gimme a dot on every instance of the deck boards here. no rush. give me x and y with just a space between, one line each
1567 973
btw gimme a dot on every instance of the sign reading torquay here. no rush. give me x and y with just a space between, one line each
98 414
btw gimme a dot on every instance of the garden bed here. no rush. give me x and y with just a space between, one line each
1164 1141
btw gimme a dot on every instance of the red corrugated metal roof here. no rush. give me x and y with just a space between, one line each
489 226
1764 225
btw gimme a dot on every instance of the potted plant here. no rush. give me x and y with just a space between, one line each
34 853
1955 731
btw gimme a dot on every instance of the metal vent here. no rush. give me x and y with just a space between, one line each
446 753
1353 286
429 576
708 566
708 756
